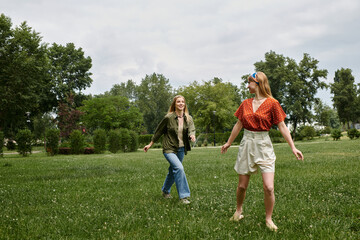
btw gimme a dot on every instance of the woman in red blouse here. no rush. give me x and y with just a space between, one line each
257 115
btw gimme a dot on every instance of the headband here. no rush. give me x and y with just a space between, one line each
254 77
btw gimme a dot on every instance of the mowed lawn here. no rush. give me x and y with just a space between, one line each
118 196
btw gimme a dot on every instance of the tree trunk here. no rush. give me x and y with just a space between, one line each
294 130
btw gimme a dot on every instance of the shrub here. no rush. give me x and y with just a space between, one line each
77 142
353 133
326 130
64 150
276 136
52 141
23 139
336 134
99 140
89 150
124 139
308 132
114 141
10 145
134 142
1 144
145 139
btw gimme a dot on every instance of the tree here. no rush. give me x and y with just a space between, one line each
295 84
127 90
214 95
345 97
68 116
24 79
69 70
111 112
322 113
154 98
277 69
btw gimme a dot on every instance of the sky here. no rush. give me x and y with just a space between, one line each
195 40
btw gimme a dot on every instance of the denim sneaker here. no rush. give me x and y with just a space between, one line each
184 201
166 195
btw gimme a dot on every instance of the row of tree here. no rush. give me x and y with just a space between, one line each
38 80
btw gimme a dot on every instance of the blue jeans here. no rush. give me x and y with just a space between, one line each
176 174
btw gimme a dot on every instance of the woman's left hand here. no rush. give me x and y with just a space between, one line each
192 138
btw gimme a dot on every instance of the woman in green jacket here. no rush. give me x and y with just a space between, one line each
177 128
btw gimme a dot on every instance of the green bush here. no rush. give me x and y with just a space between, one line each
308 132
24 139
114 141
52 141
336 134
326 130
145 139
99 140
89 150
353 133
10 145
124 139
134 142
1 144
77 142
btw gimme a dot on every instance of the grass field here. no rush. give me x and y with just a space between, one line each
118 196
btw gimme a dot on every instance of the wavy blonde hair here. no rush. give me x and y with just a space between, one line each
263 85
172 107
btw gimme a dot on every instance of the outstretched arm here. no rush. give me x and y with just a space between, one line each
235 131
286 134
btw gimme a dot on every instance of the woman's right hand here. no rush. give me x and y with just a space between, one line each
146 148
225 147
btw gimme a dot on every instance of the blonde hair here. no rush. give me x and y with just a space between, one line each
263 83
172 107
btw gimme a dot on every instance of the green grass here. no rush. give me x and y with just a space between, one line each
118 196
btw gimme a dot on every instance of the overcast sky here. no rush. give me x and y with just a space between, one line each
195 40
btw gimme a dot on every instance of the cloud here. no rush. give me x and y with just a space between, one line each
194 40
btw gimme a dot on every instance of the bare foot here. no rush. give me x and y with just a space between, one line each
270 225
237 216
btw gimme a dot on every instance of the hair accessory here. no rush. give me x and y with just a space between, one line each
254 77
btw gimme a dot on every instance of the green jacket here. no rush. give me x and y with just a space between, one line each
169 128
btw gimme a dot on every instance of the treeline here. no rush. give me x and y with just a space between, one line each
41 88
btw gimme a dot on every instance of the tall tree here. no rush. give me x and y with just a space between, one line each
295 84
127 90
301 87
345 96
154 98
24 79
69 70
212 104
277 68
